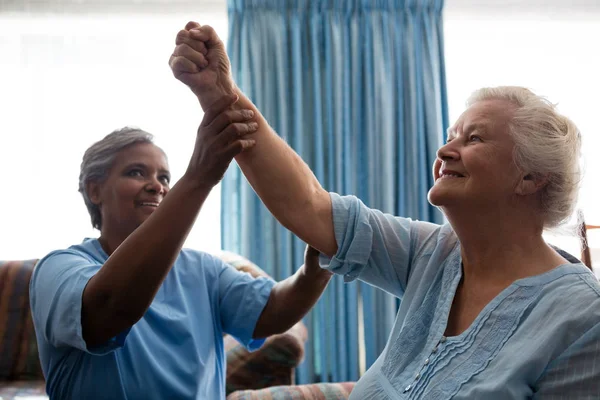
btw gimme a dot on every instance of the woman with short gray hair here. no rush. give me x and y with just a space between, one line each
132 315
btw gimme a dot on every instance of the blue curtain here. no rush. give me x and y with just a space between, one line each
357 88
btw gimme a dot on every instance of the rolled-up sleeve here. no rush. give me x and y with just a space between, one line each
374 247
242 299
56 294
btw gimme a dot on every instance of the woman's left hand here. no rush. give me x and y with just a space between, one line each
311 263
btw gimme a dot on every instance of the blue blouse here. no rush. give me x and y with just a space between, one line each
539 338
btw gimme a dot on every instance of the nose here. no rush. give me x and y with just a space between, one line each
155 186
448 152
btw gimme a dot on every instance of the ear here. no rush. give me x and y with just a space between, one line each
530 184
93 191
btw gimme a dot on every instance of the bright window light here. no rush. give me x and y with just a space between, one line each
66 82
554 57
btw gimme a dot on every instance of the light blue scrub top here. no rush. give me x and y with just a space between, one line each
174 352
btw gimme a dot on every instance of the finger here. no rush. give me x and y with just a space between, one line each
228 117
311 251
238 147
217 108
183 37
183 50
191 25
181 65
205 33
236 131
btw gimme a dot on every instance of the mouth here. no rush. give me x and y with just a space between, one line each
444 175
148 204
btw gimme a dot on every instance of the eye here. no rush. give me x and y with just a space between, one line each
474 138
135 172
166 179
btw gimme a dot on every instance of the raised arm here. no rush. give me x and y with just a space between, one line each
282 180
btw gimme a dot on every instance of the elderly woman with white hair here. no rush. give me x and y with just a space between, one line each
488 309
132 315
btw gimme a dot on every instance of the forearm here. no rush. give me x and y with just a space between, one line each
290 300
287 186
121 292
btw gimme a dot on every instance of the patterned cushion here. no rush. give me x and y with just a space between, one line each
18 348
318 391
271 365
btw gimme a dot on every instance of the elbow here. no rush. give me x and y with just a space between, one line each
264 330
104 316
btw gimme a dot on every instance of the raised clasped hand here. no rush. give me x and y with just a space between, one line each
221 136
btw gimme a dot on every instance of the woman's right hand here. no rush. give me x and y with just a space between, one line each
221 136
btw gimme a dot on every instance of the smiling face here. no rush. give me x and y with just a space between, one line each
476 166
136 184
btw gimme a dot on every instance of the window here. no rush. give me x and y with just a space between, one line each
67 81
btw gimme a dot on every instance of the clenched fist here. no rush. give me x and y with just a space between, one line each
201 62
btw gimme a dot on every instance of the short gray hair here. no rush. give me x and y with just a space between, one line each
98 160
547 144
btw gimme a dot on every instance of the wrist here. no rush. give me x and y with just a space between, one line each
210 96
196 184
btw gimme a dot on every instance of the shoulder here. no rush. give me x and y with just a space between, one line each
84 253
568 302
190 258
566 284
221 260
192 255
200 261
432 241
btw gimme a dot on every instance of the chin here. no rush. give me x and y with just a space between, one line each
436 197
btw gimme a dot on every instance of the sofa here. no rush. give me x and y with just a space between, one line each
267 373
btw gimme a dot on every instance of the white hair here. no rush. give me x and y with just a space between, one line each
98 160
547 145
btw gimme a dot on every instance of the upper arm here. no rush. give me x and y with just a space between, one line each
376 247
242 299
575 374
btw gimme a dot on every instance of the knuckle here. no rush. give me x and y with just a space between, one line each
183 49
182 35
231 130
230 117
191 25
177 62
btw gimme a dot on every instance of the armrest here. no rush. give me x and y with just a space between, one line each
273 364
315 391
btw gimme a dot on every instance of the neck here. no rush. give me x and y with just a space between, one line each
501 245
111 240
